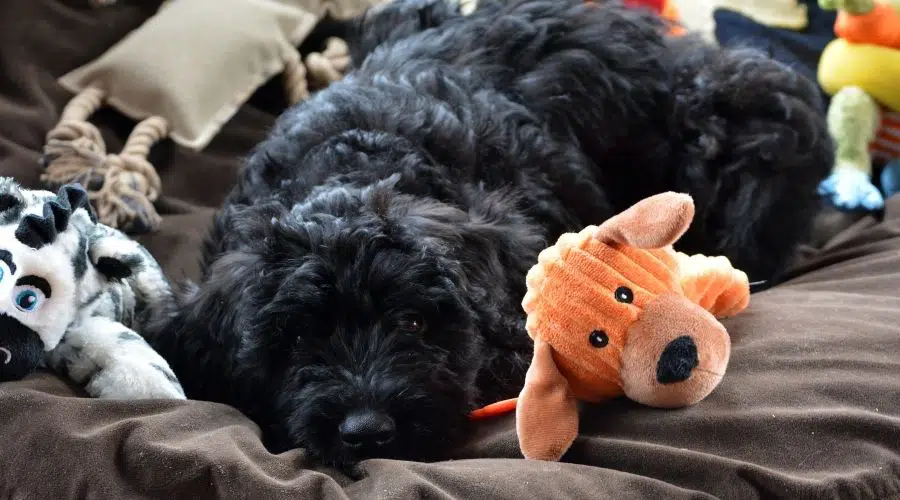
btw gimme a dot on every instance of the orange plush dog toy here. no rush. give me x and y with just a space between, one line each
614 310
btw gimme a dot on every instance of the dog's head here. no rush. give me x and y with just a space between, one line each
610 317
354 316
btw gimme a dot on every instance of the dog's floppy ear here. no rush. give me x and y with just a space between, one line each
653 222
547 411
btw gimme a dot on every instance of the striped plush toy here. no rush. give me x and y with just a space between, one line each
72 293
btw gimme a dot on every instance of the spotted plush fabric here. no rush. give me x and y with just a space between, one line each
72 292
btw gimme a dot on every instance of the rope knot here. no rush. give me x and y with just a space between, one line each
122 187
329 65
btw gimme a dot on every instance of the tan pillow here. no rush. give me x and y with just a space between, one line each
786 14
196 61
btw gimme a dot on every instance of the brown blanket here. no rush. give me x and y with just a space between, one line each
810 407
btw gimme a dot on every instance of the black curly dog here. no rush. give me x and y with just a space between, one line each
362 286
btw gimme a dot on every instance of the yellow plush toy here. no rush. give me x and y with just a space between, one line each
861 70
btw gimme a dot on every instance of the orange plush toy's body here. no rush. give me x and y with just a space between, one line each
614 310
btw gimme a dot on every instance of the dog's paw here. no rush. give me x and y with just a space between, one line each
135 380
850 189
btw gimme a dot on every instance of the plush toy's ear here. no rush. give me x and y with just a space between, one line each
113 268
654 222
73 196
117 257
547 411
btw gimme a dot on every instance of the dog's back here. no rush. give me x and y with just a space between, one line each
743 134
576 65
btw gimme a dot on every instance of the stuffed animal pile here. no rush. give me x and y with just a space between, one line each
72 292
861 70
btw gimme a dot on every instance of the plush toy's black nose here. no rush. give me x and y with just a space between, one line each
367 429
21 350
677 361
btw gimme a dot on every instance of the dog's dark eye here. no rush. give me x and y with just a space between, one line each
411 323
598 338
624 294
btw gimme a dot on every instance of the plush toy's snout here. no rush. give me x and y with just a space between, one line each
21 350
676 353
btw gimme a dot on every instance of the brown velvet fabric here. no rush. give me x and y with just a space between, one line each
809 408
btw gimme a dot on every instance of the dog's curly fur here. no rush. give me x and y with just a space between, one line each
373 254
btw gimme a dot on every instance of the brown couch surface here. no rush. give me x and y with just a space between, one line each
809 408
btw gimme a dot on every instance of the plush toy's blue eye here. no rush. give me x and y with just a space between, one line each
30 293
2 273
28 300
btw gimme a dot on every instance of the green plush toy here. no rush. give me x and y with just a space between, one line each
861 70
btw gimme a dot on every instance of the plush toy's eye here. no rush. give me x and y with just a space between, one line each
28 299
598 338
30 293
624 294
411 323
6 264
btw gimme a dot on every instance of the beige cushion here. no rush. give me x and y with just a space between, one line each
786 14
197 61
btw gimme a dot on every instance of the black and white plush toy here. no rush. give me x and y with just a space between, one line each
72 293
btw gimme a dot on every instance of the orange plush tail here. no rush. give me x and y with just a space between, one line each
714 284
494 409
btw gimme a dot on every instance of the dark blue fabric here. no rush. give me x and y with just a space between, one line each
800 49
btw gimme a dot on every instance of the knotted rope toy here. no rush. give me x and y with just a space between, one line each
317 71
122 186
328 66
182 75
615 311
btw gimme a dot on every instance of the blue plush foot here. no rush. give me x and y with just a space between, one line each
850 189
890 178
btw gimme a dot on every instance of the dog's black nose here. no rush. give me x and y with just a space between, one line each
677 361
367 429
